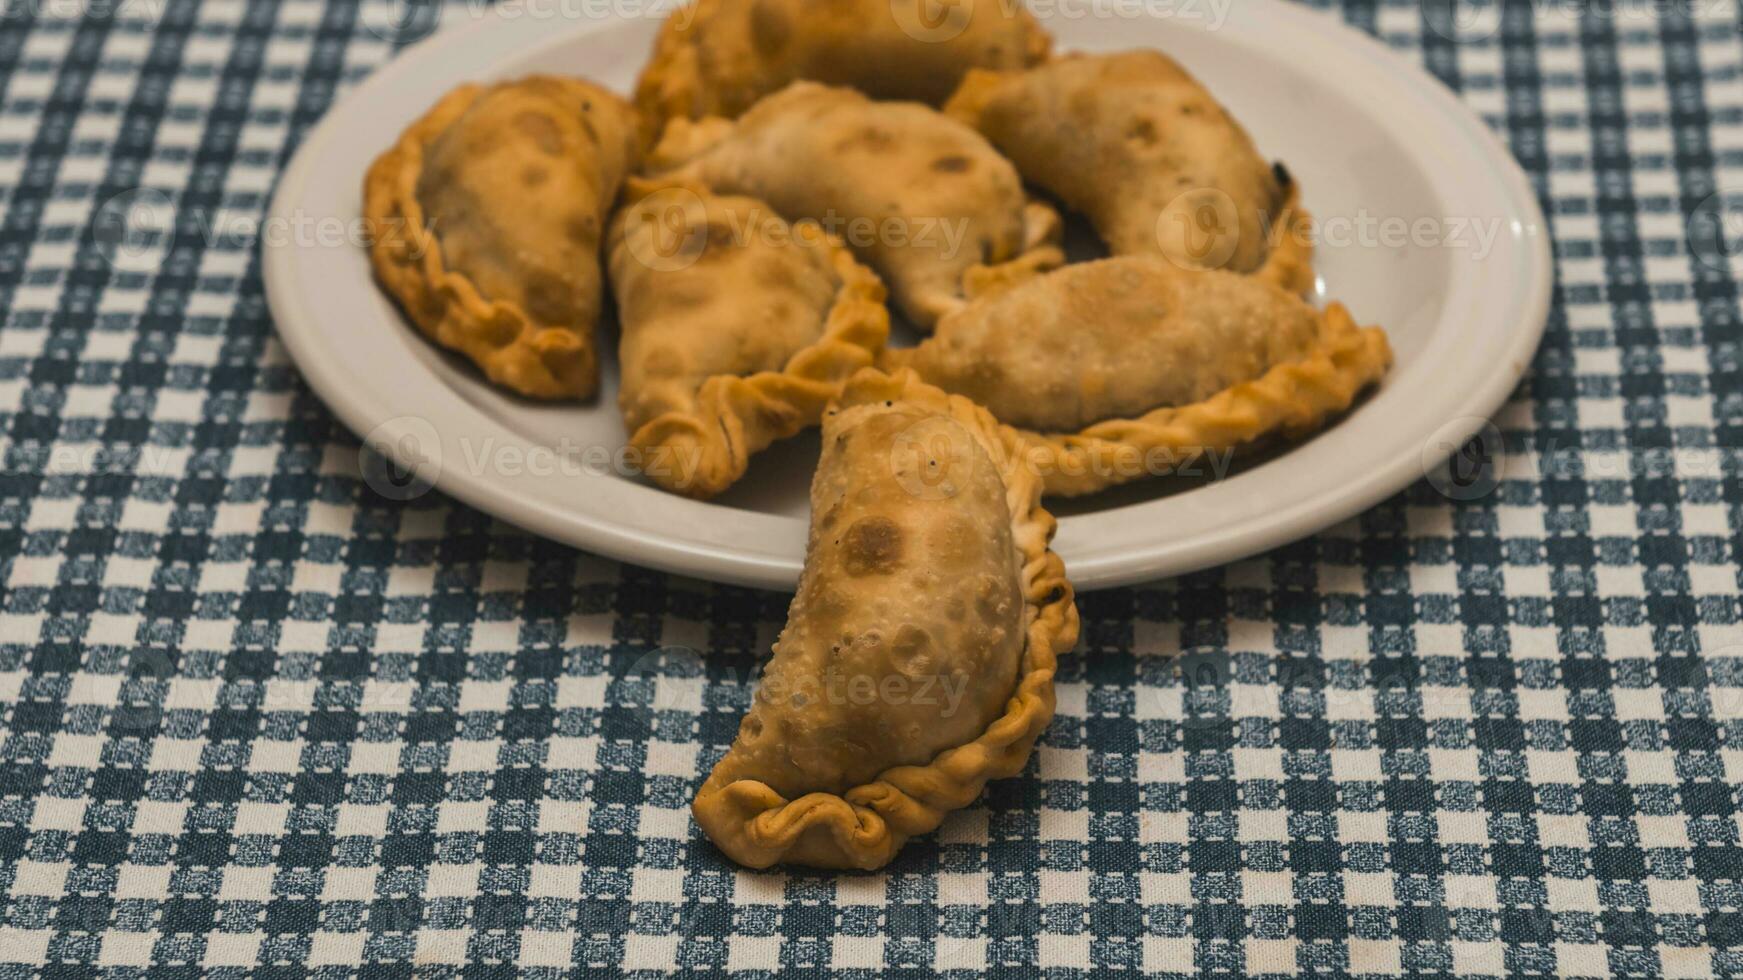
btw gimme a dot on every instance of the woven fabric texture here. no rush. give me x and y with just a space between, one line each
257 718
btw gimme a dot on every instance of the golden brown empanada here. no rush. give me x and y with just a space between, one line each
1157 165
718 57
923 199
738 329
1109 367
917 661
486 220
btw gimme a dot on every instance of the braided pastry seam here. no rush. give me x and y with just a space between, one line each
866 825
704 450
1289 263
1043 251
670 86
1292 399
445 305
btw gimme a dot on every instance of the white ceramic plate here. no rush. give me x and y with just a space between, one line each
1400 177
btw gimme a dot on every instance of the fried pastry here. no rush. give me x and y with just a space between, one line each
1154 162
486 219
718 57
920 197
1109 367
918 657
737 329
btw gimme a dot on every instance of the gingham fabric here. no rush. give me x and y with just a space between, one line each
258 718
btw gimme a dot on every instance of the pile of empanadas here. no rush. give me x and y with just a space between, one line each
788 171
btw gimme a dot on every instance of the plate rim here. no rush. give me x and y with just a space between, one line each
648 546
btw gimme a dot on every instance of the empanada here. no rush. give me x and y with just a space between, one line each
917 661
1113 369
1155 163
923 199
718 57
486 220
738 329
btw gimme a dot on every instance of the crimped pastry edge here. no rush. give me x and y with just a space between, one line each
1288 262
444 304
1293 399
671 86
865 826
684 141
702 451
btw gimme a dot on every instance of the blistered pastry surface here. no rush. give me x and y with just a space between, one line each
907 630
918 658
920 197
1290 401
718 57
1138 146
737 329
486 220
1110 339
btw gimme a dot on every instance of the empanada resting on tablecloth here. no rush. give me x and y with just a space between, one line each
1114 370
738 328
923 199
1152 159
486 220
917 661
718 57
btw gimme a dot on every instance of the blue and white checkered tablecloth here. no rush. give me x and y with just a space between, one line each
256 717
